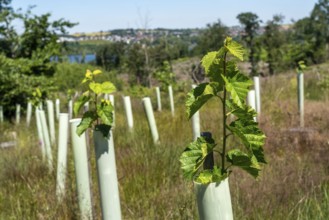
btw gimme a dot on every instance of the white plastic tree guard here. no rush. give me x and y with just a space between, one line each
86 107
257 92
129 113
214 201
28 114
57 108
62 155
51 121
45 134
40 134
70 108
300 81
107 176
18 113
158 95
1 114
251 100
196 123
171 99
150 118
81 170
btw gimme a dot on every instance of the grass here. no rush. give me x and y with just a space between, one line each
293 185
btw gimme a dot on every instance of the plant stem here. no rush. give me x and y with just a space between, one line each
223 170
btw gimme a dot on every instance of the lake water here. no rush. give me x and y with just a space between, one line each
77 58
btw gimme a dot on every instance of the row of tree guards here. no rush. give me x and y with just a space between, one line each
104 152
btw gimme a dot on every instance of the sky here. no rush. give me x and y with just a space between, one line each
104 15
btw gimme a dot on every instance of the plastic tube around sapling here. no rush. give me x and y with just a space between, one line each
57 108
18 113
129 114
51 121
40 134
158 95
257 92
1 114
28 114
214 200
150 118
107 176
70 108
300 80
196 123
45 134
81 170
62 155
251 100
171 99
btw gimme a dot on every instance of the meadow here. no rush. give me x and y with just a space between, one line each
293 185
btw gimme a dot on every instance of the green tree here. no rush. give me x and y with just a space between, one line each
5 5
135 63
273 39
110 56
25 61
212 37
251 23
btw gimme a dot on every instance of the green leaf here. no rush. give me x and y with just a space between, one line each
234 48
108 87
238 86
105 112
211 176
194 155
96 72
95 87
205 177
198 96
86 122
244 161
104 129
213 66
208 60
250 135
79 103
245 111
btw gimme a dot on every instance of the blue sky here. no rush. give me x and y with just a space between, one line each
105 15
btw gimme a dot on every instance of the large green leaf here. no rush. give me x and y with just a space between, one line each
234 48
86 122
213 66
238 86
105 112
244 161
95 87
79 103
198 96
250 135
194 155
108 87
245 111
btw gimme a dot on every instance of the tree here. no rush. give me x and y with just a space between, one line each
320 25
250 22
110 56
273 39
135 64
25 59
212 37
5 5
